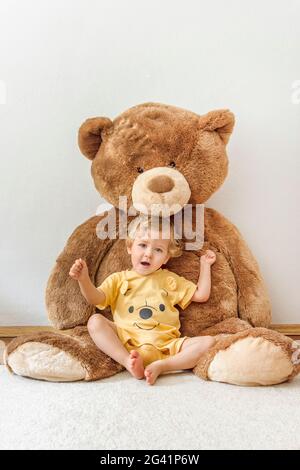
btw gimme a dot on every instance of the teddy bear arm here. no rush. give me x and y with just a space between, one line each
253 299
66 305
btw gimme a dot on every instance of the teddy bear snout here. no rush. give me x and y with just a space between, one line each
145 313
161 184
160 191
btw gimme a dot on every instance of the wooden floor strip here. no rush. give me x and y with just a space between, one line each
13 331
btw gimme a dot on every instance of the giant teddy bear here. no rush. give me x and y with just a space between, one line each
156 153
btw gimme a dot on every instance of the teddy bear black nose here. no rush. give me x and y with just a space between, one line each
145 313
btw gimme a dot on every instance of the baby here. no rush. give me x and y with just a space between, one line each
144 336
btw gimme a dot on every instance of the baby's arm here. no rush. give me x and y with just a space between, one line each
202 292
79 272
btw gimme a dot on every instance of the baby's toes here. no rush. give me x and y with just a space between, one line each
132 362
149 378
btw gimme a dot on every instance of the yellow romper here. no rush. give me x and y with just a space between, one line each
144 312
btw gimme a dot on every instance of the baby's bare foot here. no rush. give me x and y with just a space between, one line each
135 365
152 371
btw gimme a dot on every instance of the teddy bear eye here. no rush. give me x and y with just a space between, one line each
162 307
172 164
131 308
140 170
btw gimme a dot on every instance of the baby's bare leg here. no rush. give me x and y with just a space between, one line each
104 334
187 358
190 353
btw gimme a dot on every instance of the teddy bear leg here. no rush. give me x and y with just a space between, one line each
256 356
59 357
226 327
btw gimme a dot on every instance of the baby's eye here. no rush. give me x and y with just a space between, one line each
131 308
159 250
142 245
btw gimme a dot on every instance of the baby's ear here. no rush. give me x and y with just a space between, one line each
128 247
90 135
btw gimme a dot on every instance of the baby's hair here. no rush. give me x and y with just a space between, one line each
165 227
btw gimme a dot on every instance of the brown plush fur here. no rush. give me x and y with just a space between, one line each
285 343
80 346
144 137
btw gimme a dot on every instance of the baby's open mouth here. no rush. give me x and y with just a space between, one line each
145 263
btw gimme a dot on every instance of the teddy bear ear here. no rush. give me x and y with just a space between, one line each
221 121
89 135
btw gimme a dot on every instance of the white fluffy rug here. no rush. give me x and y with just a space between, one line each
180 411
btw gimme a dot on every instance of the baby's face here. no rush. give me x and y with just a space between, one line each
149 251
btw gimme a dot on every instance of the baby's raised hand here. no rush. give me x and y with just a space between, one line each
79 270
209 257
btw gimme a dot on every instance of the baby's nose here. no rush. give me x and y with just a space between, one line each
145 313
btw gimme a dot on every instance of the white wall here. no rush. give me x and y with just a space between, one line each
65 60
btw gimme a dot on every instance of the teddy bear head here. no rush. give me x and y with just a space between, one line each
158 155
